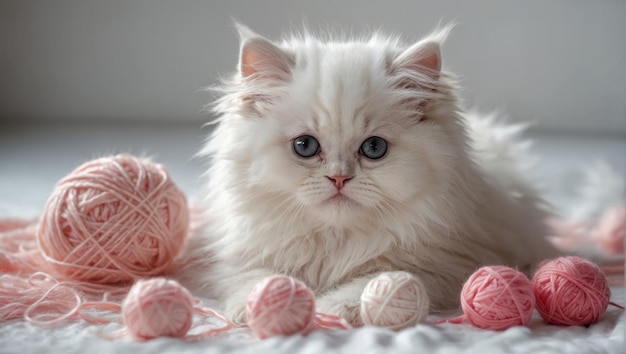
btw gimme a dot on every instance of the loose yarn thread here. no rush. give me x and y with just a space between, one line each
28 292
19 252
394 300
46 302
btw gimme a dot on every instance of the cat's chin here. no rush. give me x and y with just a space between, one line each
339 209
341 201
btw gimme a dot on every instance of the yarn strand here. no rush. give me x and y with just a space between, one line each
47 319
325 321
228 326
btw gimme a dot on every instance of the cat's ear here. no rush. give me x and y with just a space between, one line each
422 58
259 58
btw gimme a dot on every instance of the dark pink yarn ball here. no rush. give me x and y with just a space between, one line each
571 291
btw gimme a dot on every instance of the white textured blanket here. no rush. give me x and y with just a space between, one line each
606 336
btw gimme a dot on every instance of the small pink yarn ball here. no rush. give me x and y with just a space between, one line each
394 300
280 305
158 307
571 291
498 297
114 219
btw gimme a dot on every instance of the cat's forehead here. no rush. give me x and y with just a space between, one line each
344 85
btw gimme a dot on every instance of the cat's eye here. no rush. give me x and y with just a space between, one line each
374 148
306 146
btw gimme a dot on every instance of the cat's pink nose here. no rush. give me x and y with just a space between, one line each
339 181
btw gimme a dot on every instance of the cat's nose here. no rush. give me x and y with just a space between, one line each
339 181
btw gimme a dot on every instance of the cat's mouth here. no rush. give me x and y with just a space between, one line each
340 199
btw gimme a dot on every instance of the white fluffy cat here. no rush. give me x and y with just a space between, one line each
334 161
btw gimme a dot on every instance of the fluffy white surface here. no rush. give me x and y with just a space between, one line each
607 336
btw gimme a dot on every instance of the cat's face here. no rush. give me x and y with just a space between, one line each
335 134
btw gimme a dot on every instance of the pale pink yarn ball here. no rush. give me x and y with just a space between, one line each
611 231
280 305
498 297
114 219
394 300
571 291
158 307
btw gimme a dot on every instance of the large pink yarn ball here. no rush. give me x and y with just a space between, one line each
158 307
114 219
280 305
571 291
498 297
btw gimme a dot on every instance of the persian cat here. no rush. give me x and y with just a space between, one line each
333 161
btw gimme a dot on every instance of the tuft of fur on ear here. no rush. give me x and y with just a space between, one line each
259 58
422 58
416 71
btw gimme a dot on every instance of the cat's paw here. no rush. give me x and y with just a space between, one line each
350 310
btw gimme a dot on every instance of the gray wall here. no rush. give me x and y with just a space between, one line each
559 63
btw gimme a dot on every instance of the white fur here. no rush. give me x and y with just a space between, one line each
442 202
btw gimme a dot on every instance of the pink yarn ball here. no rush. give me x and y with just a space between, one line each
571 291
498 297
280 305
158 307
114 219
